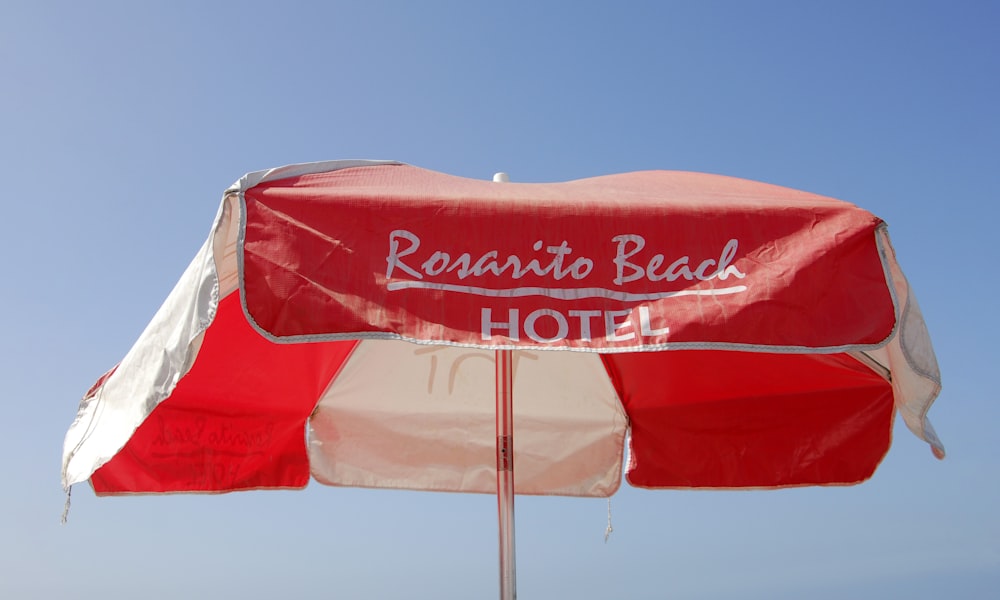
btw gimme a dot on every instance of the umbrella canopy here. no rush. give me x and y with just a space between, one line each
340 322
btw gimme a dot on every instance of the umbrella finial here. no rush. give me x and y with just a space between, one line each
501 178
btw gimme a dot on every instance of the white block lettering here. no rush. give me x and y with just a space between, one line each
645 327
488 325
611 326
562 327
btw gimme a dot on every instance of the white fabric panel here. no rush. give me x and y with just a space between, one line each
402 415
224 244
147 374
916 379
164 352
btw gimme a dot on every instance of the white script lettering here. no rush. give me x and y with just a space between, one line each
629 245
488 262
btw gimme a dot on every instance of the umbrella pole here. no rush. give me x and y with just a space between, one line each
505 460
505 470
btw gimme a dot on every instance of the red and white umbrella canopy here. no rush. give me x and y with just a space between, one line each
341 318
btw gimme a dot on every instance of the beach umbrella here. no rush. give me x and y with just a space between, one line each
375 324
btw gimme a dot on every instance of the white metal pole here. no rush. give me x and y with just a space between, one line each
505 462
505 472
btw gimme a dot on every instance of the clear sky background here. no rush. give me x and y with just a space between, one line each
122 123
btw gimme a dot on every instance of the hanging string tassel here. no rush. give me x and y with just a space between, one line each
65 513
607 532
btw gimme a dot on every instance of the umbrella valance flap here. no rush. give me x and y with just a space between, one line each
625 262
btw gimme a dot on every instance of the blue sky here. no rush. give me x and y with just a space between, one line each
122 123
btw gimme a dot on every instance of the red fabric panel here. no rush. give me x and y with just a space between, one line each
728 419
235 421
